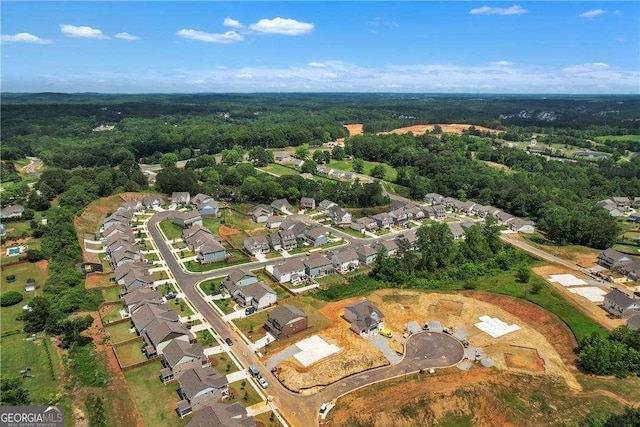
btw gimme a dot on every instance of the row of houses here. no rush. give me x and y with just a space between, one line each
11 211
245 288
287 237
622 263
205 244
399 215
264 213
282 157
513 223
618 206
335 173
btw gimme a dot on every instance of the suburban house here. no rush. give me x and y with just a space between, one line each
634 322
364 224
292 270
211 251
366 254
288 239
433 198
131 205
221 414
417 213
196 235
256 294
345 260
363 316
612 259
206 205
520 225
144 314
116 229
399 217
325 205
239 277
138 296
456 230
621 202
450 202
631 270
200 387
317 236
12 211
307 203
160 333
317 265
407 240
282 157
286 320
439 211
257 245
307 176
281 205
620 304
179 356
383 220
274 221
120 272
338 215
125 254
613 210
152 202
123 218
187 219
390 247
180 198
297 163
504 217
466 207
261 213
136 279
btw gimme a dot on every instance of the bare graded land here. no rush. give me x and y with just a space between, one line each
454 310
450 128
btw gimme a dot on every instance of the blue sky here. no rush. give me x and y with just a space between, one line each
458 47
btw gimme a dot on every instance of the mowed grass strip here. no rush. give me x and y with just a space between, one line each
130 353
170 230
347 166
155 401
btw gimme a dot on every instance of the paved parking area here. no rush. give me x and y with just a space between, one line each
382 344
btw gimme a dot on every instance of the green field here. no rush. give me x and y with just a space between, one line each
634 138
347 166
155 401
22 272
278 170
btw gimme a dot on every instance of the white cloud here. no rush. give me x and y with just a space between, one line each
82 32
592 13
486 10
246 76
501 63
229 22
330 75
23 38
126 36
586 68
288 27
316 64
224 38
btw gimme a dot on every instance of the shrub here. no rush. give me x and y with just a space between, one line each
10 298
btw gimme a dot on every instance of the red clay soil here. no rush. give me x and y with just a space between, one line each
554 329
121 399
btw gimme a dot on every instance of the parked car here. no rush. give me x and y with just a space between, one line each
323 408
170 295
229 341
249 310
263 383
386 332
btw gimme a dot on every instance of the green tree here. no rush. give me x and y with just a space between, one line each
523 273
13 392
302 152
168 160
358 165
309 166
378 171
435 242
260 157
337 153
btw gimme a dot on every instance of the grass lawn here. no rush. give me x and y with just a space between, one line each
131 353
253 323
246 395
31 242
155 401
113 315
160 275
181 307
222 363
111 293
226 305
166 288
352 232
22 273
205 338
120 332
18 354
627 249
170 230
151 257
233 218
281 294
278 170
208 286
347 166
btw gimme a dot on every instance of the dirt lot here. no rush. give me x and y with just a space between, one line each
456 311
591 309
354 129
450 128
